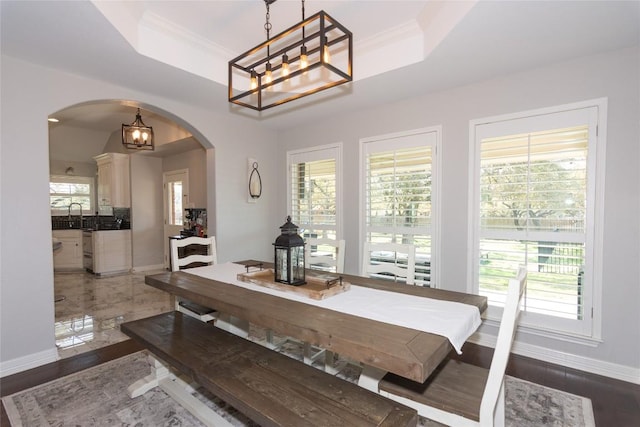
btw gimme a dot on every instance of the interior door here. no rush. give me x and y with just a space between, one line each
176 199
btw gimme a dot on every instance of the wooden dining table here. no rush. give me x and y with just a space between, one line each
407 352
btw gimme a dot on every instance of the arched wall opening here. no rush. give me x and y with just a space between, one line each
30 94
90 128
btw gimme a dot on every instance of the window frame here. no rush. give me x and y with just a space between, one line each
75 179
318 153
389 142
589 330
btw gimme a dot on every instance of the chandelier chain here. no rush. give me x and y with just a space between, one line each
267 24
303 20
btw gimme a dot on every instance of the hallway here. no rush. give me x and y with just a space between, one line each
92 310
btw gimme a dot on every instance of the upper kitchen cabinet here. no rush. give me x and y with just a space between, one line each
114 187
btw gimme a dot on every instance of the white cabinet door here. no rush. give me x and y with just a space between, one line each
105 174
114 186
69 256
111 251
120 182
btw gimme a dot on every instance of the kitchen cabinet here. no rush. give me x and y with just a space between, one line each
69 256
110 251
114 186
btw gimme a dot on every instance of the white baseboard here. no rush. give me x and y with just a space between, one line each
34 360
594 366
142 268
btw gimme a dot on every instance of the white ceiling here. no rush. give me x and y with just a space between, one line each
461 43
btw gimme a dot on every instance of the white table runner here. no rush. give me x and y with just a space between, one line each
453 320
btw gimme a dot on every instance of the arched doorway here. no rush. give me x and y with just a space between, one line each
90 129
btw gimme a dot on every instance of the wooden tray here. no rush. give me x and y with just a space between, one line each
315 288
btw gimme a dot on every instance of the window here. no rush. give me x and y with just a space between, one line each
314 196
535 197
176 190
400 196
64 190
175 202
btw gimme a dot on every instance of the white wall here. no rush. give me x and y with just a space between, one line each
196 162
616 76
75 144
114 144
147 222
59 167
26 261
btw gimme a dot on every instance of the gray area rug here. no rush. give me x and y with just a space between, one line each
98 397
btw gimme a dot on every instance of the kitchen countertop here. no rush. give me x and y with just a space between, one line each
89 229
105 229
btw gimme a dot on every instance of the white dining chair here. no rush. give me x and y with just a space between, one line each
395 261
461 394
321 254
190 308
324 254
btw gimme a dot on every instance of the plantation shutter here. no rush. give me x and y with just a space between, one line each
313 192
535 206
398 188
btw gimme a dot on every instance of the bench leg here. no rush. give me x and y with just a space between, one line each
179 390
370 378
159 371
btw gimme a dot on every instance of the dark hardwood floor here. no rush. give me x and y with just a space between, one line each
615 403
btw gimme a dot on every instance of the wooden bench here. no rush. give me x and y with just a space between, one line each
454 386
268 387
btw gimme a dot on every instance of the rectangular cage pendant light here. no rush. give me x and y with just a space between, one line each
311 56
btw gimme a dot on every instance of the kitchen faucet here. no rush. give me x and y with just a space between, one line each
71 223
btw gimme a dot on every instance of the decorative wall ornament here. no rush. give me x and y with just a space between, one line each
255 181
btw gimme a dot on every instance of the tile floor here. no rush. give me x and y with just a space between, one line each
90 314
92 310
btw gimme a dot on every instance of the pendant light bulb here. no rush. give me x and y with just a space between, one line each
326 56
285 65
304 61
254 80
268 78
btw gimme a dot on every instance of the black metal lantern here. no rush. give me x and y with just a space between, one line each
289 255
137 135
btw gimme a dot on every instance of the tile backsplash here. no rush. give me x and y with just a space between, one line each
121 219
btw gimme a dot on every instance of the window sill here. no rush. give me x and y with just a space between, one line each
551 334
